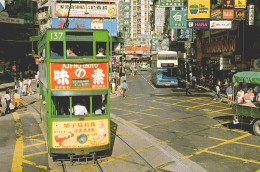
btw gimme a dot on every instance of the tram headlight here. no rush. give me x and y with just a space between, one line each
82 138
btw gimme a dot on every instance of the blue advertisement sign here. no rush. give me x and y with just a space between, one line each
198 24
74 23
107 24
185 35
178 19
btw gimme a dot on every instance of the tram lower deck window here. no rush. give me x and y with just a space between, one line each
79 105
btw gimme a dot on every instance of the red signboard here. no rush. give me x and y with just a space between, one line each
68 76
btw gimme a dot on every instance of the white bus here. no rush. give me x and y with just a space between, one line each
165 68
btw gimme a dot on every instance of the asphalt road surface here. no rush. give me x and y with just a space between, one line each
196 126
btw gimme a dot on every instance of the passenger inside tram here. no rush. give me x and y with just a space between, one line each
81 104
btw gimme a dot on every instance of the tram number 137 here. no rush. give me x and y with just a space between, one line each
56 35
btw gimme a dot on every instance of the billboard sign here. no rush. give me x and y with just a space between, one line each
198 24
240 4
228 4
198 9
216 14
228 14
74 23
239 14
79 76
101 10
65 133
178 19
85 10
220 24
12 21
251 17
185 35
171 3
97 23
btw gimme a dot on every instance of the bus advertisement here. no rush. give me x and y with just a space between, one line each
165 68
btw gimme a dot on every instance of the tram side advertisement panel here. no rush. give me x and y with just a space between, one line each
72 76
65 134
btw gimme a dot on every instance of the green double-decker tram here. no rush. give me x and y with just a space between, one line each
74 91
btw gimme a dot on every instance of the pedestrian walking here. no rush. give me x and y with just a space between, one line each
125 88
217 93
229 94
7 98
187 87
16 99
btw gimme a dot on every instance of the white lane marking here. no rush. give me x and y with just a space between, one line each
149 82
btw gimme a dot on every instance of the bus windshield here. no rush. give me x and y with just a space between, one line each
167 56
167 72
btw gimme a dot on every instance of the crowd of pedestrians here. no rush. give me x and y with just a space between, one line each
10 101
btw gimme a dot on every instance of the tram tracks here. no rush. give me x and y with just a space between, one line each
31 102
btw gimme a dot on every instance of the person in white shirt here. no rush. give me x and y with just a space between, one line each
7 98
100 52
80 110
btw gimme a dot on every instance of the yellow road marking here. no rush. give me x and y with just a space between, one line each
220 110
34 164
188 100
34 145
217 125
233 157
240 143
258 170
200 105
30 137
18 150
168 122
215 146
34 154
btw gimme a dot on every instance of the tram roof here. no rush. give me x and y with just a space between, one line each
249 77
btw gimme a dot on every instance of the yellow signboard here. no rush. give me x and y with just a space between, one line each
240 4
198 8
80 134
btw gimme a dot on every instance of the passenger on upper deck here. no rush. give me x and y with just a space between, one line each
100 52
54 54
70 52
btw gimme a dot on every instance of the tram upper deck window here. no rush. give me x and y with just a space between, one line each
101 52
56 49
79 45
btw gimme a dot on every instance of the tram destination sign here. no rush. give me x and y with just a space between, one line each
72 76
80 82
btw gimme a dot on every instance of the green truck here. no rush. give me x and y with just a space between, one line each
248 112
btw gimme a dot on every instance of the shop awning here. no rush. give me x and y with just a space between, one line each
247 77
